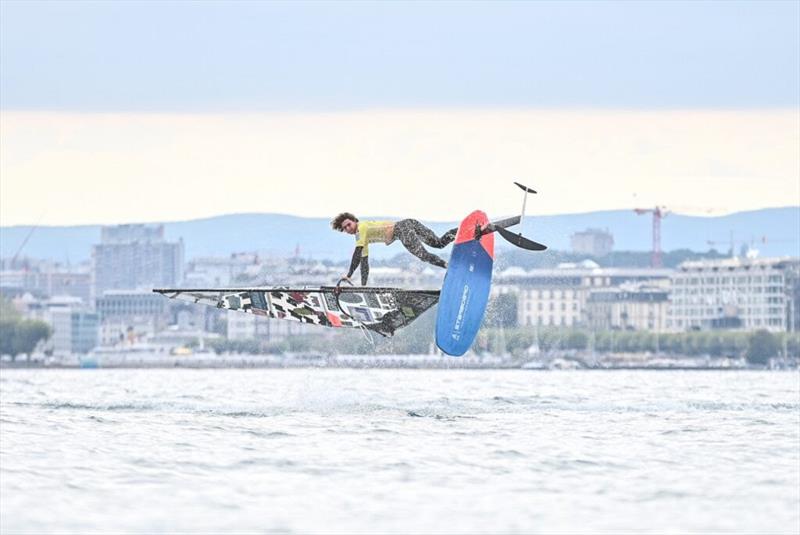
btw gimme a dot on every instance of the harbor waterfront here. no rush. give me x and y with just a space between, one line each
396 451
555 360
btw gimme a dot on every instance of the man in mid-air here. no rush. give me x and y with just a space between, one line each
410 232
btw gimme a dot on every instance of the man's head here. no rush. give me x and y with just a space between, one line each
345 222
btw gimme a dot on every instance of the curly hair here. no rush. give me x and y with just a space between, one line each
336 222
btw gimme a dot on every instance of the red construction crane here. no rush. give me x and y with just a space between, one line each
659 212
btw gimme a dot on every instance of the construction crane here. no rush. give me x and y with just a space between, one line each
713 244
659 212
730 243
25 242
745 245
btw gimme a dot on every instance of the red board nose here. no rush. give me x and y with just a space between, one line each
466 231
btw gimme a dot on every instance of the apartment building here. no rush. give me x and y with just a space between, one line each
628 307
136 256
746 293
557 297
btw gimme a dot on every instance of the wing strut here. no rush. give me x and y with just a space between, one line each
516 239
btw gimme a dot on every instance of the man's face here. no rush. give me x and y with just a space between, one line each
349 226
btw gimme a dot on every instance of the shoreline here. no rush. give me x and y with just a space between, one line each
554 363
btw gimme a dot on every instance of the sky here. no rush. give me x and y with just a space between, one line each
114 112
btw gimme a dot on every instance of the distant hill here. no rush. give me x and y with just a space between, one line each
280 235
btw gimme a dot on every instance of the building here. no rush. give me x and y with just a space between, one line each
130 315
47 278
74 331
61 282
216 272
746 293
20 280
791 273
131 304
592 242
75 327
557 297
136 256
251 326
242 326
122 234
421 277
627 307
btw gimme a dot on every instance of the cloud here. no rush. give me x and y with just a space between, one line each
81 168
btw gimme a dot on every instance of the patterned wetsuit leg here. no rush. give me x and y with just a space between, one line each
407 232
428 236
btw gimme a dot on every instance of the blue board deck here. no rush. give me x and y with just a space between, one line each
465 292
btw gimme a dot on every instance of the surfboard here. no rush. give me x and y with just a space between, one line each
465 292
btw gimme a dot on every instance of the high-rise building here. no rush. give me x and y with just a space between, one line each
136 256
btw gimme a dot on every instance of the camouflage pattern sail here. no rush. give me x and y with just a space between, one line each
383 310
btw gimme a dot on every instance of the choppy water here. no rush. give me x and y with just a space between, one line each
448 451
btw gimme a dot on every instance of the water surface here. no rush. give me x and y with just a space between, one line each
393 451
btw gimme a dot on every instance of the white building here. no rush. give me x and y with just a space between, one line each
74 331
746 293
628 307
557 297
75 327
242 326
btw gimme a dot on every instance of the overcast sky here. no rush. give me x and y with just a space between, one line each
404 109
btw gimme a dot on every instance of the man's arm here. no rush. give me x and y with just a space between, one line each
355 261
364 270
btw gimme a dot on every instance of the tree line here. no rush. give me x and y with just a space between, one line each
758 347
20 336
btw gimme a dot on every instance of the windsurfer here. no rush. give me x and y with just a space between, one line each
411 233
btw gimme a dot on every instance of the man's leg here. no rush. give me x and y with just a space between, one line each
428 236
411 241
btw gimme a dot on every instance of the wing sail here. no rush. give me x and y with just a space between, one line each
383 310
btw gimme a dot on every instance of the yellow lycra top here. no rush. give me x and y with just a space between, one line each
372 232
